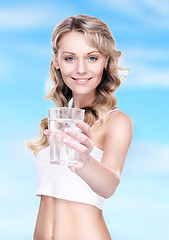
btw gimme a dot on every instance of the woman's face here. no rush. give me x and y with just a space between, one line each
81 65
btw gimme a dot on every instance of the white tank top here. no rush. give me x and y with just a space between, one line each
59 182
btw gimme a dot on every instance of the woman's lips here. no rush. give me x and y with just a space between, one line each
81 80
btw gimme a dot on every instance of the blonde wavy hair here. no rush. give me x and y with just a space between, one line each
99 36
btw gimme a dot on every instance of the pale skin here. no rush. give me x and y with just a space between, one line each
82 66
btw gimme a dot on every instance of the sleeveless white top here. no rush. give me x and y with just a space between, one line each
59 182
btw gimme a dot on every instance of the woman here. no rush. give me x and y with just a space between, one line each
84 68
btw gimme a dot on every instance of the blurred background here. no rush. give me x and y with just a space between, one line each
139 210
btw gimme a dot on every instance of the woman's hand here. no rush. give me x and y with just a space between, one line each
82 143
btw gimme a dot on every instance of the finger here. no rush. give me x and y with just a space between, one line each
76 146
78 166
85 128
80 137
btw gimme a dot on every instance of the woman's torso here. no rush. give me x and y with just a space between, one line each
67 220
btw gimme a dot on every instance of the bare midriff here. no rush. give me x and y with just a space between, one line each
60 219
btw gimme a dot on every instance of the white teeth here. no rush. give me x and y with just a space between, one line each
81 80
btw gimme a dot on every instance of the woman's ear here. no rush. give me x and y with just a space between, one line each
55 61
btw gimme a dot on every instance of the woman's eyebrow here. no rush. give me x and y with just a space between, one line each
93 52
67 52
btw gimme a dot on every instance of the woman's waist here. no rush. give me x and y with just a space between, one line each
70 208
66 217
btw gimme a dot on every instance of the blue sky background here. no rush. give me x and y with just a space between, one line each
140 207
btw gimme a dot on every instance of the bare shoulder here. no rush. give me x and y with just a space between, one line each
119 115
120 122
118 137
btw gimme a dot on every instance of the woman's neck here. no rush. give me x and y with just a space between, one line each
82 101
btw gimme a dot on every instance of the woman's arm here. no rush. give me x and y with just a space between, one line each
104 177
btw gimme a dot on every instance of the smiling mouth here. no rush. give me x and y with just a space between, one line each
82 80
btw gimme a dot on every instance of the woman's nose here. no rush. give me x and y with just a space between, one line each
81 67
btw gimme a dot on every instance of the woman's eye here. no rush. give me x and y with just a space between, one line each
92 58
69 59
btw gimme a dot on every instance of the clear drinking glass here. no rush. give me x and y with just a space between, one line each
58 119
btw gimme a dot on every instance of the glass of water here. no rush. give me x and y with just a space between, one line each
58 119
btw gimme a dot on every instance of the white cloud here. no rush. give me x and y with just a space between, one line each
150 12
12 61
141 76
146 205
148 157
134 213
153 77
39 50
146 67
33 15
160 7
143 53
123 6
